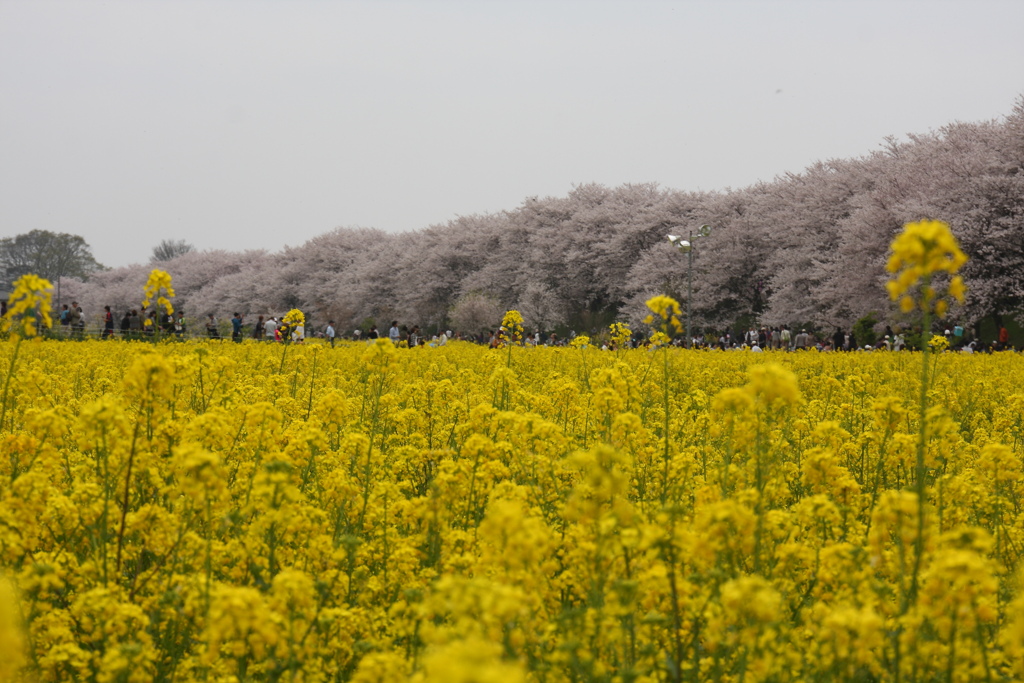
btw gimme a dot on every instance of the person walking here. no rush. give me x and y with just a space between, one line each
211 327
79 323
135 325
330 332
74 316
108 322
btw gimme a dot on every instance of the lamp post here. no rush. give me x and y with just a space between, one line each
686 247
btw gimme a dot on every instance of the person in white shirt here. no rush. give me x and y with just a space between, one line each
802 340
330 332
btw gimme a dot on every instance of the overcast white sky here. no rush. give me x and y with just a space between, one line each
253 124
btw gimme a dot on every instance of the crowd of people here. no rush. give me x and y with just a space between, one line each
142 324
132 324
955 338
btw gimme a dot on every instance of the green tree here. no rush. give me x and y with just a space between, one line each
169 249
51 255
864 330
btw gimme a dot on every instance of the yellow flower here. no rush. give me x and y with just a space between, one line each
773 384
239 621
294 317
381 519
380 353
580 341
12 637
200 474
660 339
921 250
158 280
30 304
957 289
512 326
620 333
667 311
751 599
473 660
382 667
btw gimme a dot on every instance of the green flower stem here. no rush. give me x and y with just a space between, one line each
922 443
664 490
7 382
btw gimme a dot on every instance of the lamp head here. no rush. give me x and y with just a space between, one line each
679 243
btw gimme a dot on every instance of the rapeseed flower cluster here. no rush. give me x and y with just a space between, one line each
920 251
580 341
294 317
158 286
664 315
246 512
28 307
511 327
619 334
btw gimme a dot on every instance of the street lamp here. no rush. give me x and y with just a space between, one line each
686 247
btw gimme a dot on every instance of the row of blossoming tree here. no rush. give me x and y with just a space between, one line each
804 248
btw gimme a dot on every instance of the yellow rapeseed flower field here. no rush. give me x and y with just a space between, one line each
261 512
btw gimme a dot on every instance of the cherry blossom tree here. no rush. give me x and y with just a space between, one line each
803 248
